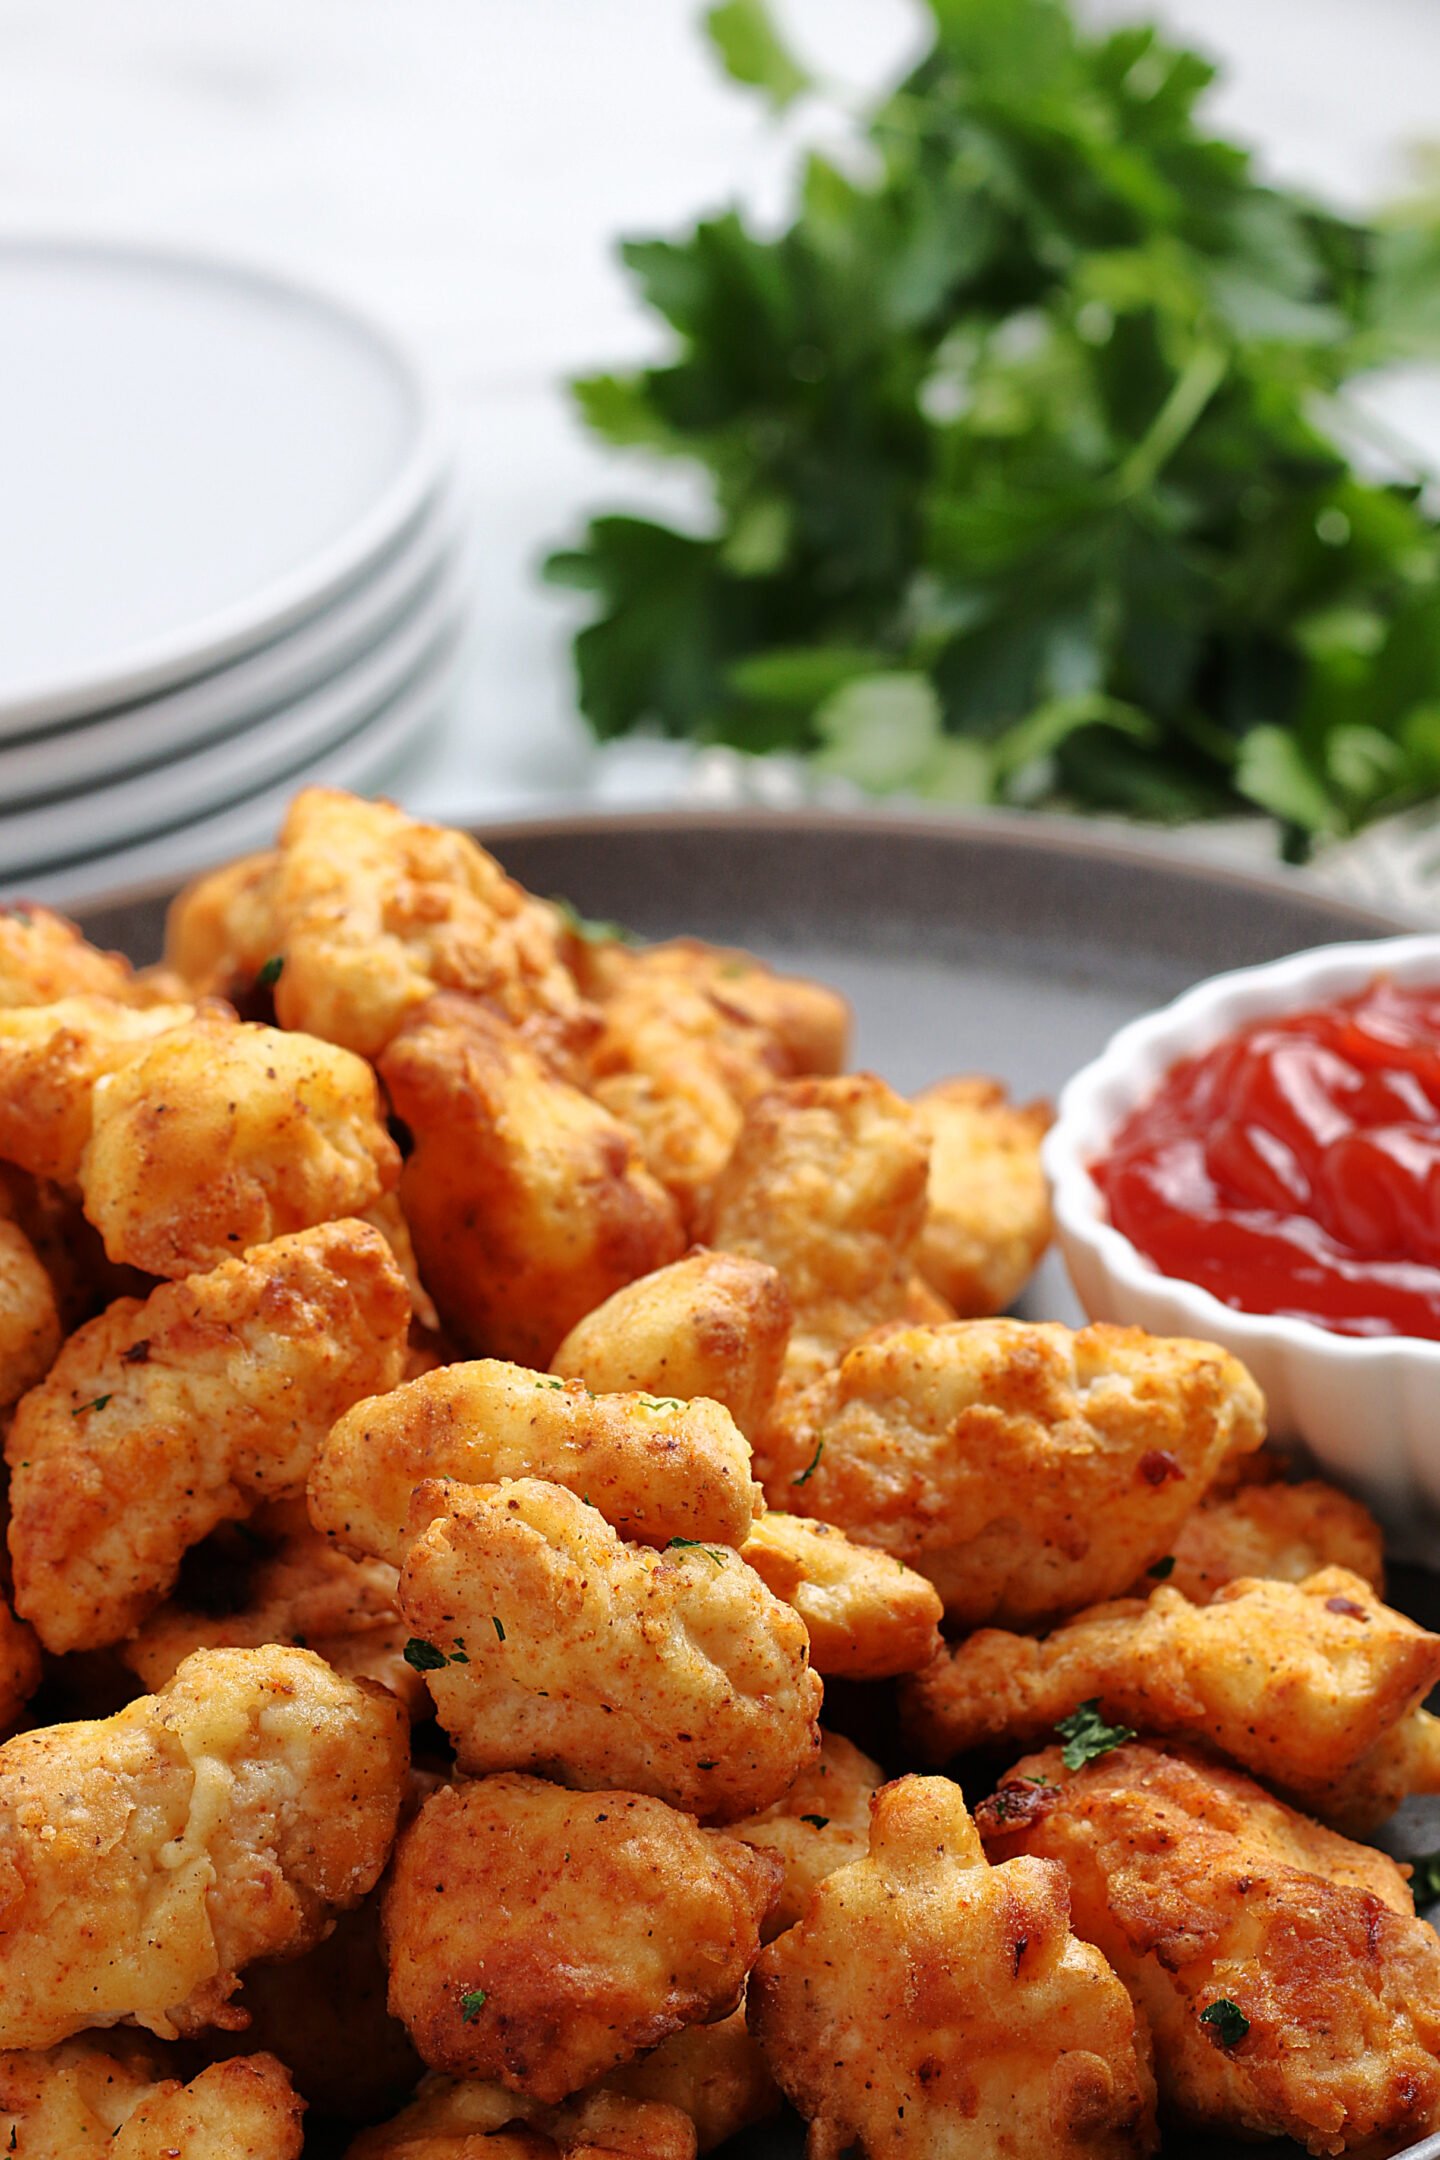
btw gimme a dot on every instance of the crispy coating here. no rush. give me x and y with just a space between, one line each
594 1662
1201 1888
221 929
276 1579
713 1324
19 1666
160 1420
826 1184
544 1937
114 2097
821 1824
373 911
529 1204
388 1217
714 2074
51 1057
147 1857
1282 1532
867 1615
30 1329
929 2004
455 2119
655 1468
218 1138
1296 1683
1026 1469
43 956
987 1216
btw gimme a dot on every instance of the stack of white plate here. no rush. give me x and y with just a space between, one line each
229 560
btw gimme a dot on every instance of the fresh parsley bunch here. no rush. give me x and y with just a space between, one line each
1023 446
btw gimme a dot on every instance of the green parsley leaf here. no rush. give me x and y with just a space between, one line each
819 1820
267 976
1425 1876
690 1544
1162 1569
745 38
98 1402
811 1467
1087 1736
588 928
498 1624
663 1402
423 1656
472 2004
1227 2021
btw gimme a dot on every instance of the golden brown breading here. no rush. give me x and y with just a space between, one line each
373 911
1201 1889
19 1666
544 1937
147 1857
276 1579
113 2096
220 1137
712 1324
1026 1469
931 2005
567 1652
821 1824
826 1184
388 1217
987 1217
221 929
867 1615
715 2074
1296 1683
30 1330
160 1420
50 1059
43 956
1405 1763
654 1468
456 2119
1280 1532
529 1204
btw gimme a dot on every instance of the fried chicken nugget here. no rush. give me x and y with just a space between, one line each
529 1204
987 1216
147 1857
51 1057
1280 1532
373 911
867 1615
657 1469
821 1824
1026 1469
1296 1683
221 929
454 2119
1289 1988
218 1138
559 1649
544 1937
44 956
929 2004
712 1324
113 2096
30 1329
715 2075
160 1420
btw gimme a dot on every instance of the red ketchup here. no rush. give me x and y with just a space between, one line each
1295 1168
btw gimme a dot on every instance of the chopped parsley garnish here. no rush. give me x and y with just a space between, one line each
662 1402
498 1624
137 1354
590 929
270 973
693 1544
1163 1569
811 1467
98 1402
1087 1736
1425 1876
1227 2021
541 1381
472 2004
818 1820
423 1656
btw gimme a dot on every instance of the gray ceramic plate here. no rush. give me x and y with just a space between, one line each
997 945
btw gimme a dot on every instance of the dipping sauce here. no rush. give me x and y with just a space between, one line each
1295 1168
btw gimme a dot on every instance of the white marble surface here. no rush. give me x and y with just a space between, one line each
463 167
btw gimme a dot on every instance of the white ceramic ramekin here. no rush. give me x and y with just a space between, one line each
1368 1409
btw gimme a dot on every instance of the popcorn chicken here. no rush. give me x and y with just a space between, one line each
216 1139
373 911
44 957
544 1937
529 1204
51 1057
30 1330
113 2096
146 1858
82 1281
1279 1532
712 1324
454 2119
1290 1990
715 2075
1026 1469
821 1824
987 1216
221 930
160 1420
655 1468
559 1649
19 1666
867 1615
276 1579
928 2004
1296 1683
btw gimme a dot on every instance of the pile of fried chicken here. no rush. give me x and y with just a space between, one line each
472 1387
